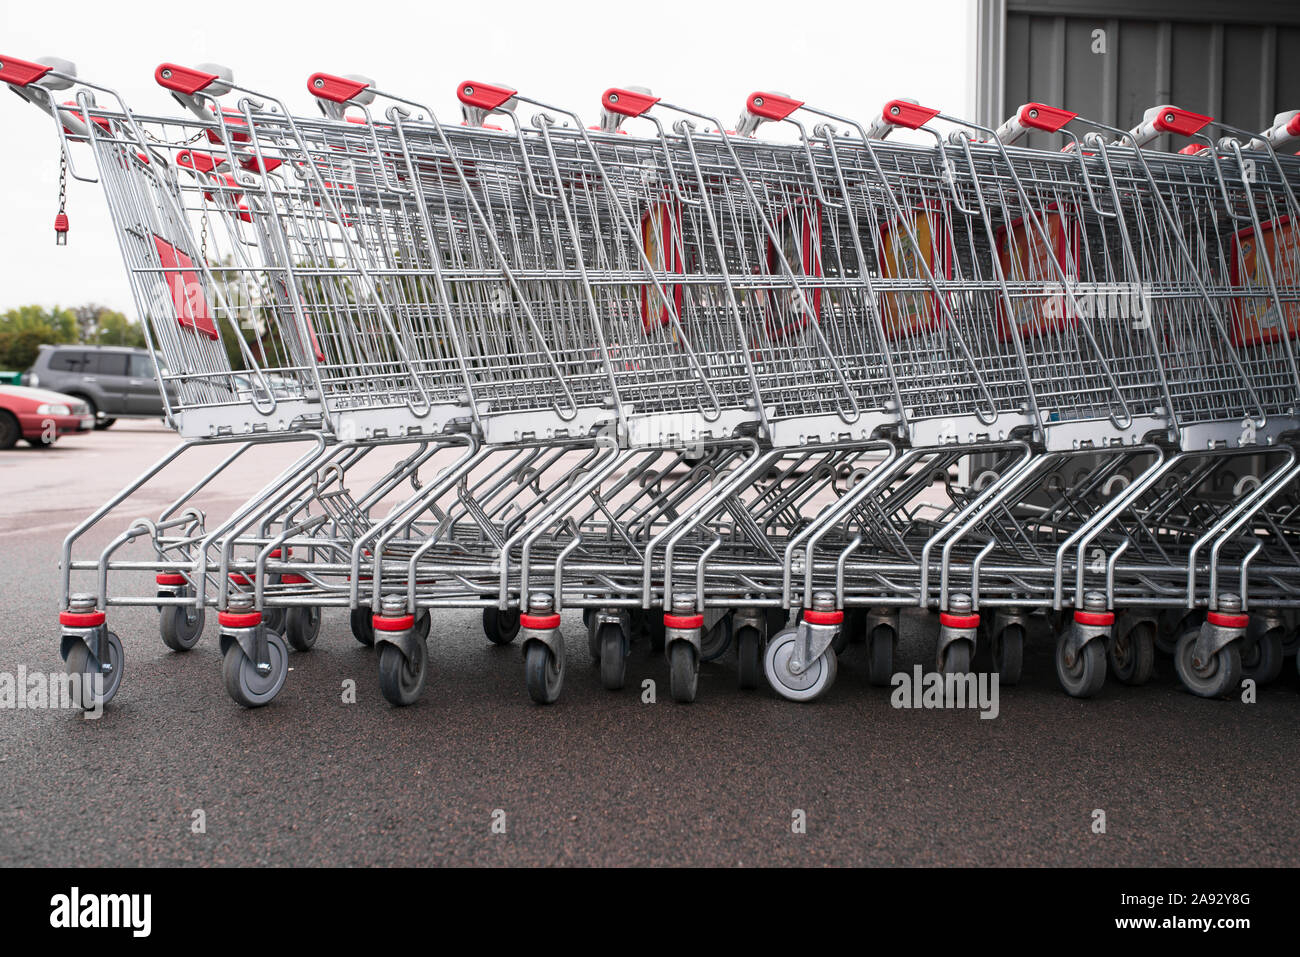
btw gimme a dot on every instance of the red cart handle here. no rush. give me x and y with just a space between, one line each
336 89
198 161
17 72
1040 116
627 102
484 96
1033 116
1183 122
910 115
1168 119
182 79
772 106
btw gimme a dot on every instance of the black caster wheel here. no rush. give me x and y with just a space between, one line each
302 627
1083 673
244 683
401 679
1262 659
880 655
1216 678
181 626
1132 655
593 637
715 642
83 665
361 620
1008 649
684 671
274 618
501 627
613 656
543 673
749 657
956 658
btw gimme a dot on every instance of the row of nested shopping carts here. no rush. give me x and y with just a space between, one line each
727 395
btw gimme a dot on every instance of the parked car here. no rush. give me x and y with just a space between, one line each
40 416
116 382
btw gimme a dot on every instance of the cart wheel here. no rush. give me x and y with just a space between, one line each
956 658
749 657
684 671
715 642
1262 660
181 626
1217 677
814 681
880 655
1083 676
842 637
81 662
1008 649
543 673
1132 655
302 627
423 624
401 679
274 618
244 684
362 623
613 656
501 627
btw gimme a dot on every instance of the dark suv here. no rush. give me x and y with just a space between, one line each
117 382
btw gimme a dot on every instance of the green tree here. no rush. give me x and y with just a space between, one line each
24 329
115 329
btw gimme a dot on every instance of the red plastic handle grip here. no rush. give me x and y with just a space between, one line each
181 79
199 161
627 102
1193 149
19 72
911 115
1171 119
1040 116
485 96
772 106
336 89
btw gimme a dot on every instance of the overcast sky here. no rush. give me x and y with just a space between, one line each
848 56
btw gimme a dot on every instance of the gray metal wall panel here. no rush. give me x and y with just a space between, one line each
1238 62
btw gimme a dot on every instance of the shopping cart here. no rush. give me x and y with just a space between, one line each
693 382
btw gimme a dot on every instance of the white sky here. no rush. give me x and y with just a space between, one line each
708 55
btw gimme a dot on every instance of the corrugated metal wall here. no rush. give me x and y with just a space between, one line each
1238 61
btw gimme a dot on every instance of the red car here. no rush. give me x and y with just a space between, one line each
40 416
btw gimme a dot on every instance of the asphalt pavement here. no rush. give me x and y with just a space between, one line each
477 774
